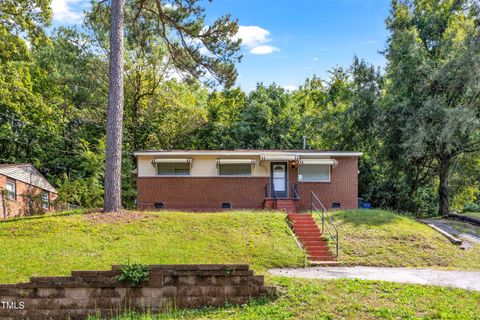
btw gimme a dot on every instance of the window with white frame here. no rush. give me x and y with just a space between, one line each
11 189
173 169
235 169
314 172
45 200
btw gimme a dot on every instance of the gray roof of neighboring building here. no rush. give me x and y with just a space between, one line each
26 173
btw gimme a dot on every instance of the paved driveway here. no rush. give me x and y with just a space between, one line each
459 279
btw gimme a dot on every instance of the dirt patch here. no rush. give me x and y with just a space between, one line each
116 217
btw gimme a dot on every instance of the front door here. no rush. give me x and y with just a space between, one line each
278 177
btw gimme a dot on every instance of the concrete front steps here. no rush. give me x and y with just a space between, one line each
311 238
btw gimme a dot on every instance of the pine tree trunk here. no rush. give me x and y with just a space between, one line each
445 166
113 165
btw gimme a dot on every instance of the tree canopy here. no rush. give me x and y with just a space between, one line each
417 121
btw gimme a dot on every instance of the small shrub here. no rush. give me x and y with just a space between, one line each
471 207
228 271
134 273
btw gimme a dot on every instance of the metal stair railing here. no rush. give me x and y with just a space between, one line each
295 195
327 222
273 194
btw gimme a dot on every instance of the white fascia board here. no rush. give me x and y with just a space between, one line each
329 154
194 153
248 153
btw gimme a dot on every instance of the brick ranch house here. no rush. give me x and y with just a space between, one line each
24 191
246 179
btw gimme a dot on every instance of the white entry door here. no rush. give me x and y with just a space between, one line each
279 178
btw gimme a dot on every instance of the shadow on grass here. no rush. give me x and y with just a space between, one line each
369 217
43 216
205 312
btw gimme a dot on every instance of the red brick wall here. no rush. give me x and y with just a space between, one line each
342 188
20 206
208 193
201 193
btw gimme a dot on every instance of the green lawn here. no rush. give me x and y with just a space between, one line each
382 238
344 299
55 245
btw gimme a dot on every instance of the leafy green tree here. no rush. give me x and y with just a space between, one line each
432 88
25 16
224 109
359 126
464 181
173 118
267 119
194 49
25 118
68 76
311 100
85 190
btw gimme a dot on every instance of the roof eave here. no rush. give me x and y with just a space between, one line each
246 153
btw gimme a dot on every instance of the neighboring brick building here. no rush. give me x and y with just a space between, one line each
244 179
24 191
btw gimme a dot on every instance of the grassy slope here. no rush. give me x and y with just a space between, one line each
345 299
472 214
382 238
58 244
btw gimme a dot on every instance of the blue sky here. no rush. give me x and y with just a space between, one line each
288 41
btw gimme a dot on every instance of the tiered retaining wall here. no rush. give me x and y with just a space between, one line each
87 293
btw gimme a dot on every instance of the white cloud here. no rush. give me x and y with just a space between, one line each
290 87
252 36
264 49
315 59
68 11
255 38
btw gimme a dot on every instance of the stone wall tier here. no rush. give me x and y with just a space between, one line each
85 293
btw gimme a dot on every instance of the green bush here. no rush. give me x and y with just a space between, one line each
471 207
134 273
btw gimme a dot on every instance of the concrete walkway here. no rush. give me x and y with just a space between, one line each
458 279
443 225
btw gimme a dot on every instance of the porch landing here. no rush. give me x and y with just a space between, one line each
289 205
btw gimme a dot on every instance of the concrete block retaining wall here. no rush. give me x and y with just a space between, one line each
87 293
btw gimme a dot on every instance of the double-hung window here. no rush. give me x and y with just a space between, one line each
173 169
235 167
314 172
45 200
11 190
